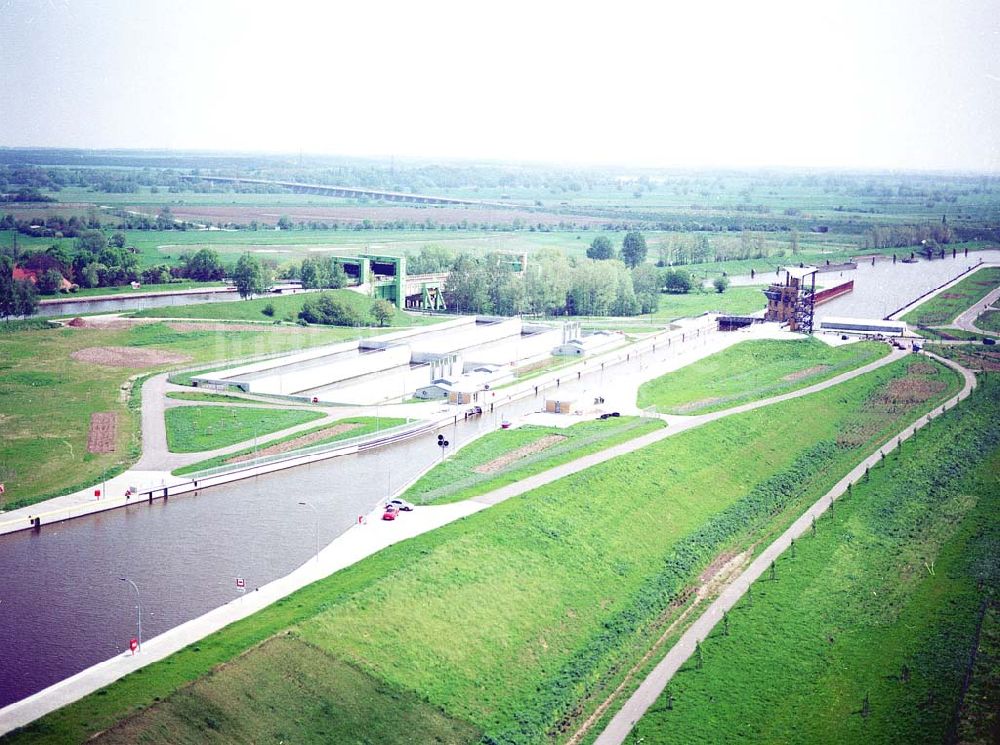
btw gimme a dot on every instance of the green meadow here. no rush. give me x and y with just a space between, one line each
752 370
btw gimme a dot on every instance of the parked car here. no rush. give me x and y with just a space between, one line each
391 511
988 341
400 504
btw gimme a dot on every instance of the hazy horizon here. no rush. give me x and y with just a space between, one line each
723 86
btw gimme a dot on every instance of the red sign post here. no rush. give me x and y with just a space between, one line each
133 644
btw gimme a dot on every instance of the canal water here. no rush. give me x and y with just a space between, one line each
125 303
63 607
884 287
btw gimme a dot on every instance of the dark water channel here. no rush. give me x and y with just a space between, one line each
63 607
120 304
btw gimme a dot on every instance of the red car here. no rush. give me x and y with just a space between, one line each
391 512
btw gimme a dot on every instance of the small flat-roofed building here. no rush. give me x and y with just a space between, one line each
465 388
560 405
862 326
588 345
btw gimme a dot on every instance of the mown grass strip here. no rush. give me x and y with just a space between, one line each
218 398
753 370
192 429
455 479
366 426
946 306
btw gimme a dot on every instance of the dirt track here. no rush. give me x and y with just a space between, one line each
127 357
103 432
504 460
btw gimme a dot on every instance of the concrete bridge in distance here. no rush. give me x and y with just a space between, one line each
350 192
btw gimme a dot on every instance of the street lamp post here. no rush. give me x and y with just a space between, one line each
315 524
138 618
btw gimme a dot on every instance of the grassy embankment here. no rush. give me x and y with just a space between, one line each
47 397
945 307
989 321
973 356
215 398
753 370
457 478
365 426
195 429
865 635
515 620
286 308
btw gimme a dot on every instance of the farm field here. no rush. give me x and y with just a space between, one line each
53 379
506 456
286 308
866 632
753 370
324 434
944 308
193 429
519 618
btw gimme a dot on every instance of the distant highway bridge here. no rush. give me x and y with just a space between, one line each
349 191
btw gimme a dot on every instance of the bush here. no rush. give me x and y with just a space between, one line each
720 284
49 282
268 310
678 282
330 311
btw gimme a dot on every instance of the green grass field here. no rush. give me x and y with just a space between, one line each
318 698
989 321
286 308
47 397
366 426
517 619
213 398
736 300
753 370
973 356
194 429
945 307
456 478
879 605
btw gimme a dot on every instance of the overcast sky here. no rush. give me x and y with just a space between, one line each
910 84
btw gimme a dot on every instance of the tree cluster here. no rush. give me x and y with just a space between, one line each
17 297
321 274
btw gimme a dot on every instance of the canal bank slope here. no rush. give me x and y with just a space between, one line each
358 542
